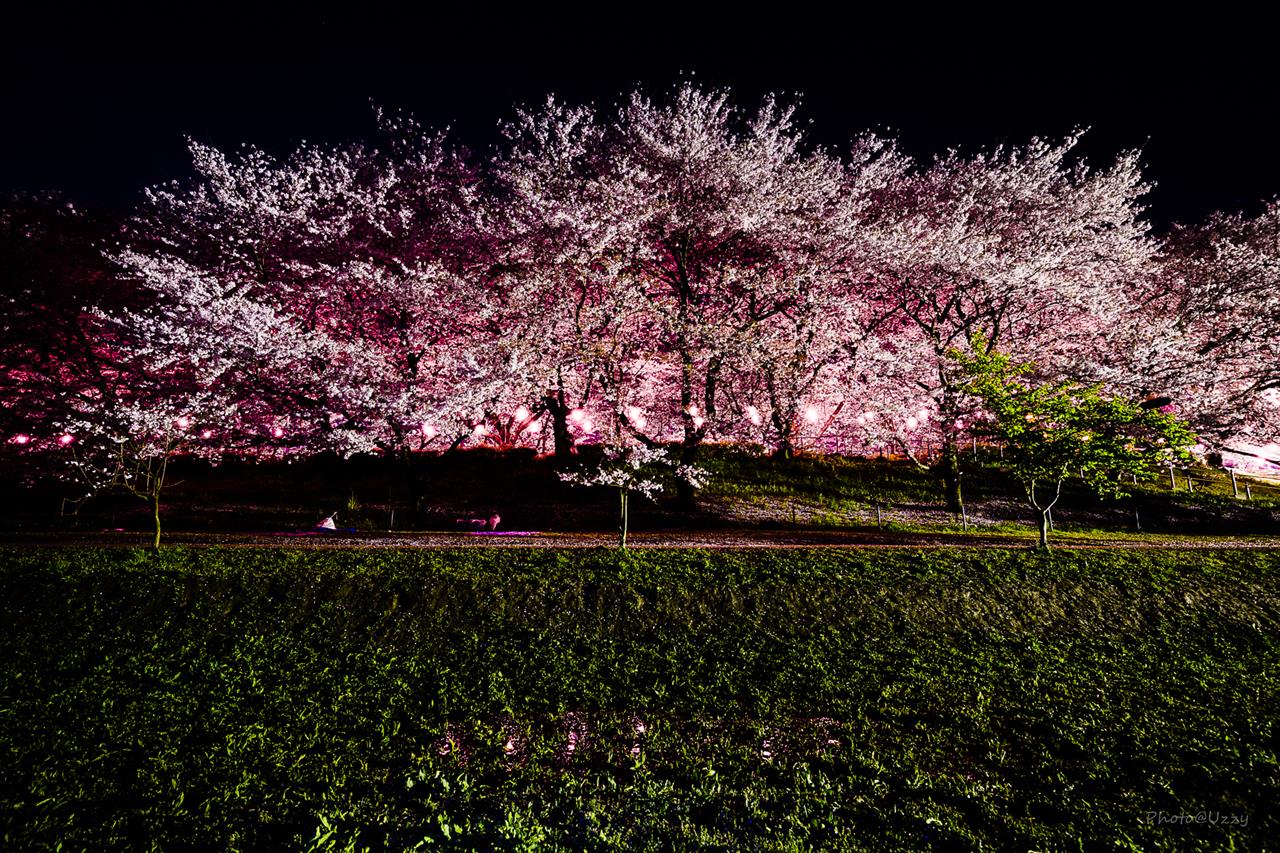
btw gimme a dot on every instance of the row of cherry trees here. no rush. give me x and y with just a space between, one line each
664 273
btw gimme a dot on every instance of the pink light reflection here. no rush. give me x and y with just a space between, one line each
66 439
21 439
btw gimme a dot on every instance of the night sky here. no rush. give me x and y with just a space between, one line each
98 107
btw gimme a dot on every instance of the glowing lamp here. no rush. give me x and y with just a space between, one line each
811 414
21 439
522 414
428 430
753 415
535 427
588 425
636 417
912 422
278 432
698 422
208 433
577 415
480 429
66 439
693 410
182 422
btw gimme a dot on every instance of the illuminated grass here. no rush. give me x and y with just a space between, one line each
218 699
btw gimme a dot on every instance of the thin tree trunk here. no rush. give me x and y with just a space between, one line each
622 494
1044 519
155 514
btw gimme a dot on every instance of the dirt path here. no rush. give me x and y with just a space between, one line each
659 539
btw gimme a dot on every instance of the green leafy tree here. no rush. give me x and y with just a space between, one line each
1051 431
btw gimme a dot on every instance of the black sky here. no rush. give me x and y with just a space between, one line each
98 106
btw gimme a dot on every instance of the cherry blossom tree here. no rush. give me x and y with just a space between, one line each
792 372
1209 339
548 215
634 467
1018 245
54 353
321 289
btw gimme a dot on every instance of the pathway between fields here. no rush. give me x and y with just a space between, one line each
659 539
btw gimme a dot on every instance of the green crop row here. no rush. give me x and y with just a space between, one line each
494 699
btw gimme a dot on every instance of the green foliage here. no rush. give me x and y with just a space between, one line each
1052 431
260 699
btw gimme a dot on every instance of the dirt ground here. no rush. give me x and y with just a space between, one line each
644 539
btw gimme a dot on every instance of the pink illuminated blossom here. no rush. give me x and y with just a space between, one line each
753 415
21 439
66 439
278 432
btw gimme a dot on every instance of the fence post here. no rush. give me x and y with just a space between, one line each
1235 486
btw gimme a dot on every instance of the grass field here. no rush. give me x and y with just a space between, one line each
208 699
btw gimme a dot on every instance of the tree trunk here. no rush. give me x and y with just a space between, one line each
623 494
155 515
559 410
949 468
684 489
404 465
1044 519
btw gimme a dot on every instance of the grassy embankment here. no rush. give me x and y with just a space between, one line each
825 700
